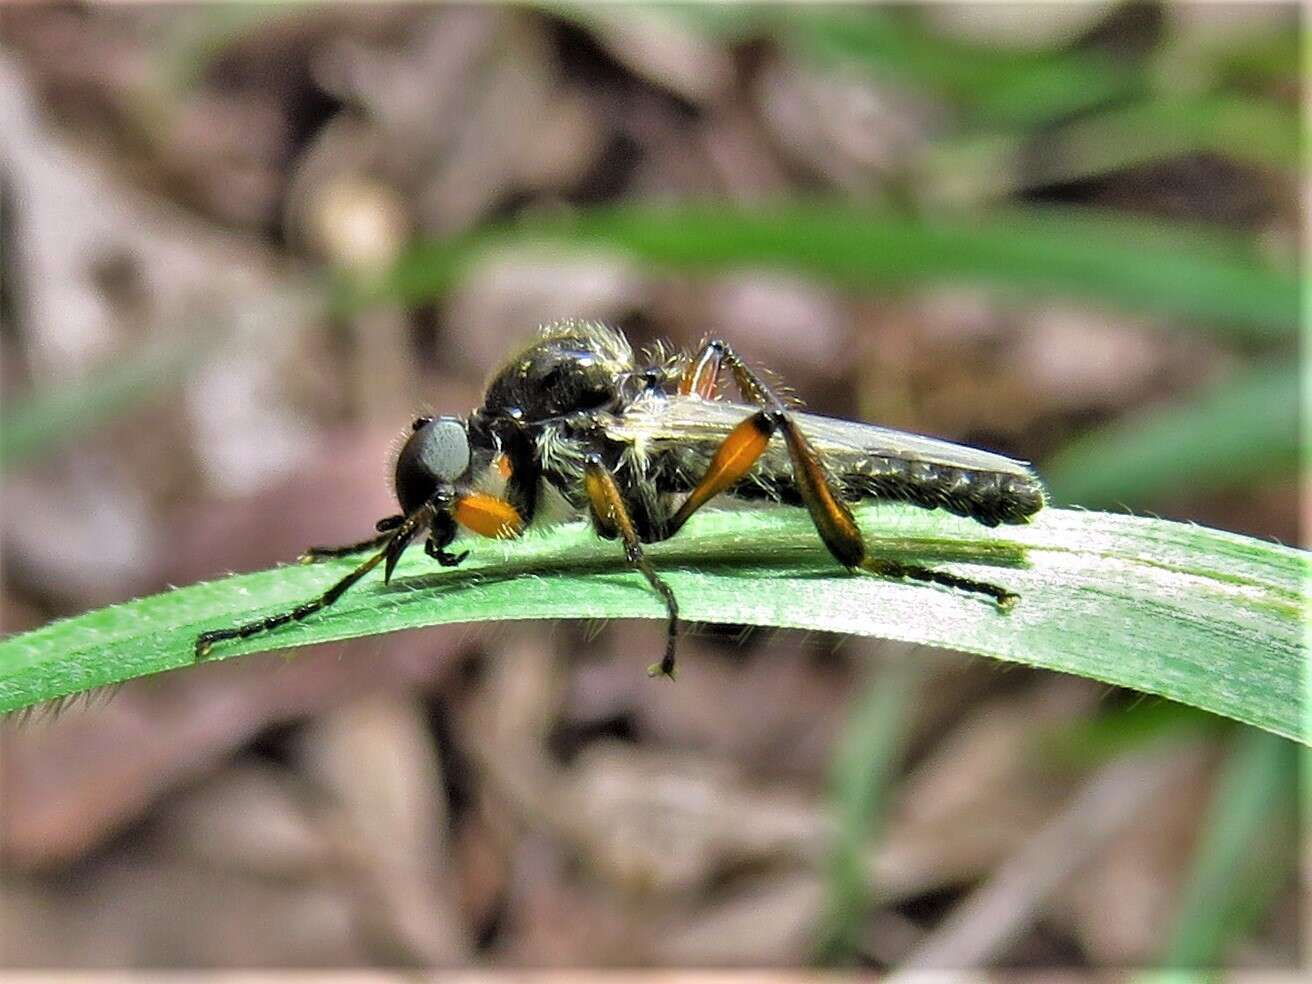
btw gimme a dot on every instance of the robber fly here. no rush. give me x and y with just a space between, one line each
639 446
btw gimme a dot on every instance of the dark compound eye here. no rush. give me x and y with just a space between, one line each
444 448
436 454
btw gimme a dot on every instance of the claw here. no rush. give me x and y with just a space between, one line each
394 550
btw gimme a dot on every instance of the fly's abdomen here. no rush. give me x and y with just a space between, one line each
987 497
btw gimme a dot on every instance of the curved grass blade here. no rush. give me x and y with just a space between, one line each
39 424
994 85
1207 618
1209 278
865 762
1241 429
1245 853
994 166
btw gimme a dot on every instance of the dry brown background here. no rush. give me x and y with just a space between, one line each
185 180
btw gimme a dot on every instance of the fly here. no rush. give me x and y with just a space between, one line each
639 446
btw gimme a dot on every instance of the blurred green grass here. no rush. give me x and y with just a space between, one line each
43 423
1246 851
992 86
1242 428
1203 278
862 776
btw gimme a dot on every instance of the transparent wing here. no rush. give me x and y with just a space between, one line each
678 420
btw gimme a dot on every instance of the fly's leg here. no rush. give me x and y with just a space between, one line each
525 474
441 533
701 377
394 543
612 521
483 514
313 554
1005 600
385 527
206 640
747 442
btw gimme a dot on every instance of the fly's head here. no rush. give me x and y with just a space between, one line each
436 455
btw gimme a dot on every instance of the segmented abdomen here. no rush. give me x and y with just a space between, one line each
986 497
989 498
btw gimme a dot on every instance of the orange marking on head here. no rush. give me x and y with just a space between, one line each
502 464
488 516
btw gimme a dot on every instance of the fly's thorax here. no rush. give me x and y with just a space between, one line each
570 367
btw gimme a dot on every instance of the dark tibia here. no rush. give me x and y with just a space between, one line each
666 666
393 544
891 568
611 518
832 517
322 553
442 533
206 640
384 526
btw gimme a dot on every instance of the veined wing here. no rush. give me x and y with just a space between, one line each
688 420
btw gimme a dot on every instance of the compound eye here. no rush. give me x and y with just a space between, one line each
444 448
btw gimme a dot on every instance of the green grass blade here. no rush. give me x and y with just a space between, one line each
996 86
862 773
41 423
992 84
1253 131
1245 854
995 165
1242 429
1208 278
1091 743
1203 617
